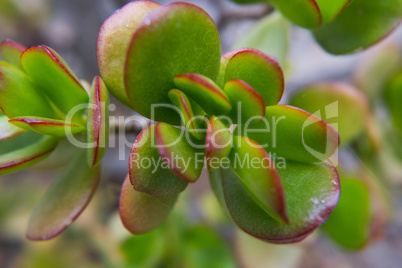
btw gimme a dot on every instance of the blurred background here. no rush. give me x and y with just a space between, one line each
197 234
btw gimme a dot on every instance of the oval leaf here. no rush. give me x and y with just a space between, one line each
11 52
304 13
52 74
331 9
8 130
311 193
141 213
179 152
47 126
257 69
27 156
182 27
246 102
342 104
64 201
393 96
113 40
219 141
147 171
359 26
294 134
98 122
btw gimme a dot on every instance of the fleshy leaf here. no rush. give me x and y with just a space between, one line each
205 92
246 102
166 44
113 40
393 96
359 26
147 171
218 142
330 9
269 35
340 104
188 113
257 69
17 89
179 152
11 52
141 213
98 122
257 172
215 180
64 201
349 223
27 156
52 74
8 130
47 126
304 13
294 134
311 193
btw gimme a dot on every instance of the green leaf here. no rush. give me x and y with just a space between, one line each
25 157
8 130
188 113
98 122
64 201
205 92
218 143
179 152
215 180
25 139
47 126
246 102
304 13
344 106
331 9
11 52
360 25
168 43
113 41
269 35
349 223
393 96
52 74
148 173
311 193
257 69
18 96
141 213
294 134
257 172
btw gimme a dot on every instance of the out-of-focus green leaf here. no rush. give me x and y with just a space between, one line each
18 96
113 41
349 223
20 141
166 44
330 9
148 173
294 134
256 170
97 122
141 213
340 104
8 130
257 69
393 96
311 193
46 126
52 74
219 141
215 180
205 92
360 25
269 35
27 156
64 201
178 152
11 52
246 102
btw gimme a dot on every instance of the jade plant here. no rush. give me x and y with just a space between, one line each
341 26
268 164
